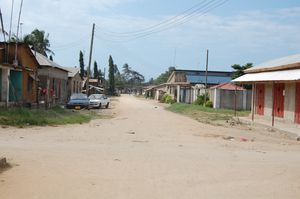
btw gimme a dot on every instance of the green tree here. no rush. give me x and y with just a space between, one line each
40 41
131 76
111 75
239 70
163 78
96 71
81 64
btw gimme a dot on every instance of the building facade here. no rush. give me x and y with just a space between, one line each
53 80
18 75
276 94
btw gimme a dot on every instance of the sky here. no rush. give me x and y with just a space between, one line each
151 35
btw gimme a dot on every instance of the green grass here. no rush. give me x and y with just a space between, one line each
205 114
21 117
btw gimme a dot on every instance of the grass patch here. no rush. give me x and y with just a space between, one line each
21 117
205 114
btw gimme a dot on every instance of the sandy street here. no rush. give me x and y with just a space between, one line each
146 152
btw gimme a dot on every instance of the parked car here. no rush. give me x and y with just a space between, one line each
79 101
99 100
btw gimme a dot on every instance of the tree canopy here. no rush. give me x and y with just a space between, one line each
163 78
132 77
111 75
96 71
81 64
239 70
39 41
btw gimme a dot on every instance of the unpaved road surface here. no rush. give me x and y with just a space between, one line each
146 152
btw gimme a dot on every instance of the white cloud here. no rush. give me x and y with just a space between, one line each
249 35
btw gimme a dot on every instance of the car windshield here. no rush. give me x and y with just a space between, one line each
96 96
79 96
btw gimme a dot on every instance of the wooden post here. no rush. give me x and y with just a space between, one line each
273 104
253 100
235 100
90 60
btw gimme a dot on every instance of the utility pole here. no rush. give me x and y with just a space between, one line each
90 60
206 71
2 26
18 26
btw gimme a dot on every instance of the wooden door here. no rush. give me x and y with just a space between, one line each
260 99
279 100
297 109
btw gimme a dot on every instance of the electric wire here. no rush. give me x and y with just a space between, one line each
162 23
204 10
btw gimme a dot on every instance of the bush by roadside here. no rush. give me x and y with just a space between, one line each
206 114
21 117
167 99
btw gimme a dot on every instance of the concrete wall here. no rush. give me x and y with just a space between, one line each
225 99
268 100
4 84
56 77
53 72
289 102
74 85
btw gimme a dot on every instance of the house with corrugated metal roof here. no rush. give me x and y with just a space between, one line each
186 85
18 74
75 81
276 86
53 80
230 96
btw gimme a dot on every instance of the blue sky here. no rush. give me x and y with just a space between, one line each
235 33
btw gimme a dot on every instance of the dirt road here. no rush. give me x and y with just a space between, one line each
146 152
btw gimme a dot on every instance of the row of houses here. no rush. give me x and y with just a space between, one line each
275 93
186 85
28 77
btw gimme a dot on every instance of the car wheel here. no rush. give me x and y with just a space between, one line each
100 105
107 105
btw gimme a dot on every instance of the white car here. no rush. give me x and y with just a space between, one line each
99 100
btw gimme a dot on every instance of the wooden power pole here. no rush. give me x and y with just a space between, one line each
90 61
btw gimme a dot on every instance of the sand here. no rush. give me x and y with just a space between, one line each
147 152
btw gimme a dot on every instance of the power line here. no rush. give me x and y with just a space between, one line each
204 10
160 23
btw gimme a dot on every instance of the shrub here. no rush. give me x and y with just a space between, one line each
169 100
201 99
209 104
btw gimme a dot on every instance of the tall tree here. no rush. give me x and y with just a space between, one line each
40 41
81 64
163 78
96 71
111 75
132 77
239 70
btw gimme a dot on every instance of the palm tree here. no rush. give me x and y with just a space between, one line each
39 41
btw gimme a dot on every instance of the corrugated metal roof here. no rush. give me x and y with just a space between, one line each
71 71
44 61
193 79
227 86
284 75
287 62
